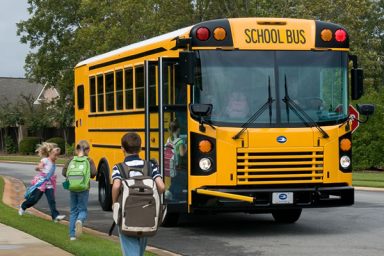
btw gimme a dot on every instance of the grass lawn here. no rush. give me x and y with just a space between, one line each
368 179
56 233
28 159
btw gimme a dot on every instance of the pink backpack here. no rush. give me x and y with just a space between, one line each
169 158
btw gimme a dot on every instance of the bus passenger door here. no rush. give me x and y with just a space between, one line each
171 108
151 111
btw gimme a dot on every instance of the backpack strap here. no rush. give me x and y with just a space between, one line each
125 169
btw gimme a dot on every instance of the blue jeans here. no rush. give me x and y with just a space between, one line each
79 211
132 246
35 197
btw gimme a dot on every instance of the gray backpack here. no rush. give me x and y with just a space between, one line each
138 211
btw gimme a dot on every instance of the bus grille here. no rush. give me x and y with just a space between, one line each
279 166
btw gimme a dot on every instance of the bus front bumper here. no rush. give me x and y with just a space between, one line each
229 199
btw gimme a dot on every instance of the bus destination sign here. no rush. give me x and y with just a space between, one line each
275 36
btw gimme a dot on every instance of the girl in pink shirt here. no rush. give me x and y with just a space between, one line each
45 181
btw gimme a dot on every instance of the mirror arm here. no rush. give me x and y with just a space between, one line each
353 58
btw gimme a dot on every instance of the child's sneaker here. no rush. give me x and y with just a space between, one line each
59 218
21 211
72 238
78 228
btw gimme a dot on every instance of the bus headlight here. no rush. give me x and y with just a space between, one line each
205 164
345 161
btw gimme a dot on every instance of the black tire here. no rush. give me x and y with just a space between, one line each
105 190
286 216
171 219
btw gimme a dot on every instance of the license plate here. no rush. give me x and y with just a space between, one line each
282 198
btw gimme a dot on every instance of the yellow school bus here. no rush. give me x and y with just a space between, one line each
261 104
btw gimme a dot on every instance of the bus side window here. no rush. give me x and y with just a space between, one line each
128 88
119 90
109 91
92 93
80 97
100 93
139 86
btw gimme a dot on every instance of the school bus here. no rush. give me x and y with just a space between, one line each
262 107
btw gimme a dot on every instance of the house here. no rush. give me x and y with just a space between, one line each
14 91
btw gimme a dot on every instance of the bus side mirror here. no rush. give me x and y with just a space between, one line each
201 110
187 67
357 78
365 109
203 113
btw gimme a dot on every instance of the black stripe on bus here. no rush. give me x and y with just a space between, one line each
118 147
121 130
131 57
116 114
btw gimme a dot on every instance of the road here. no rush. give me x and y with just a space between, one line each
343 231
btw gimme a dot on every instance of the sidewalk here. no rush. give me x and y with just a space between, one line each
17 243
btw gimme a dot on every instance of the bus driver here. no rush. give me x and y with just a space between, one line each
237 107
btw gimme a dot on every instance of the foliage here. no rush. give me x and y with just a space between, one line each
60 143
368 139
66 32
69 149
61 113
28 145
10 145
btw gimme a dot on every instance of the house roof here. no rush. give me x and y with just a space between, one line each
11 90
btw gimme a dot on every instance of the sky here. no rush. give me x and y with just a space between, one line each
12 52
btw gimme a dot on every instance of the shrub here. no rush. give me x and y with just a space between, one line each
70 149
59 141
10 145
28 145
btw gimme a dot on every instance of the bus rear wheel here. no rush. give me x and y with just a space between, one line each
286 215
105 196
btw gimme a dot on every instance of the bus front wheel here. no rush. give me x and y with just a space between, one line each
171 219
286 215
105 196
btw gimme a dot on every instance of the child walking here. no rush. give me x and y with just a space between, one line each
45 181
79 200
131 146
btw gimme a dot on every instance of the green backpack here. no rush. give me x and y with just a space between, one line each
78 174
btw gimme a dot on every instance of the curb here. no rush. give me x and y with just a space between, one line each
14 190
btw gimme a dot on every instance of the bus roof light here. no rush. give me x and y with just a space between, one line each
340 35
326 35
219 33
203 34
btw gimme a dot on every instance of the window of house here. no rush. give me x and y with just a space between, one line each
139 86
119 90
109 91
92 93
128 88
100 93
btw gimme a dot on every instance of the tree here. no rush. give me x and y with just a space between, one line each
68 31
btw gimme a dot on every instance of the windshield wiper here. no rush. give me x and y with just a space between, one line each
290 104
258 112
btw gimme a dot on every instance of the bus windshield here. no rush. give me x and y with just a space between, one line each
238 83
